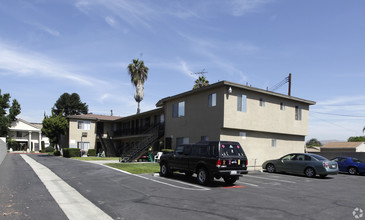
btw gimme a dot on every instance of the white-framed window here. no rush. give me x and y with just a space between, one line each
178 109
273 142
212 100
282 106
83 145
298 113
262 102
83 125
182 140
242 103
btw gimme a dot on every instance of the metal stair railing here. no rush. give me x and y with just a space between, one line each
141 148
103 145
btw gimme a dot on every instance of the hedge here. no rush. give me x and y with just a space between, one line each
71 152
91 152
57 153
49 149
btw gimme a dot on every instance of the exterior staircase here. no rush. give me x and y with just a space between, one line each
107 145
152 135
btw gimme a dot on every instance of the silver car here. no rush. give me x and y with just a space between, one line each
302 163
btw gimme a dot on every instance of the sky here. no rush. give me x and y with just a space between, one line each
49 47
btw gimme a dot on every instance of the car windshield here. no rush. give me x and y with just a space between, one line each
318 157
231 149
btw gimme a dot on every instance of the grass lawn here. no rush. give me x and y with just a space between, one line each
96 158
137 168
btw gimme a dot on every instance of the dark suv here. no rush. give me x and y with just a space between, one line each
210 159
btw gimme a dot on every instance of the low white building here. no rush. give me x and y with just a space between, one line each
28 135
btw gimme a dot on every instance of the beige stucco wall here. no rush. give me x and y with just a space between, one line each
75 134
269 118
199 120
258 145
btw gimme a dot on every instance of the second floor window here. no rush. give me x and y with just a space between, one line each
282 106
262 102
212 100
241 103
83 125
178 109
298 113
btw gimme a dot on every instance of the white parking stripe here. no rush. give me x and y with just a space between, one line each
250 184
285 181
157 181
70 201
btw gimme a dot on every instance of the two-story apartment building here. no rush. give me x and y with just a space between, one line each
87 131
266 124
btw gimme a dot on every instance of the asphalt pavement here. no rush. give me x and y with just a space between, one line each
148 196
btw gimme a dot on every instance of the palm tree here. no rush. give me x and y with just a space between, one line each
201 82
138 72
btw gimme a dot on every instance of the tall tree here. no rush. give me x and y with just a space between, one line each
356 139
53 127
201 82
6 119
138 73
70 104
313 142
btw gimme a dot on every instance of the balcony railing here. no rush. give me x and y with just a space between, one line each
135 131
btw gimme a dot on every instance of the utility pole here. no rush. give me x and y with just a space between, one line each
289 88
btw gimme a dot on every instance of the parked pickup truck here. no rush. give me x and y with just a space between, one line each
209 160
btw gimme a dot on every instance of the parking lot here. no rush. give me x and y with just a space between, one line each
258 195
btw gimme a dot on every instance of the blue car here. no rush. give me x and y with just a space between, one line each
350 165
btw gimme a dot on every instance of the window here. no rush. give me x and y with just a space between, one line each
182 140
298 113
262 102
243 135
242 103
178 109
83 125
18 134
282 106
273 143
212 100
204 138
83 145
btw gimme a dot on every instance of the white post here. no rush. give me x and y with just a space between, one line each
30 141
39 141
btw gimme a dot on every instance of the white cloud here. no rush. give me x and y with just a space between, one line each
242 7
111 21
25 63
46 29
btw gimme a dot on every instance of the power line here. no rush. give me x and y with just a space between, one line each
329 122
353 116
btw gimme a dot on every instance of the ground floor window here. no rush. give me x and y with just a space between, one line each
83 145
182 140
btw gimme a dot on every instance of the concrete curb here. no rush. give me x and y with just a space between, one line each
3 149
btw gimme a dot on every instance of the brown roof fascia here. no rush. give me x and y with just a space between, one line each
236 85
94 117
142 114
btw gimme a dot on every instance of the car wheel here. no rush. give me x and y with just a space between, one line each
309 172
164 170
203 177
352 170
230 180
270 168
188 174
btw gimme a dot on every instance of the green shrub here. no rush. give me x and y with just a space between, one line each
57 153
49 149
91 152
71 152
166 151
